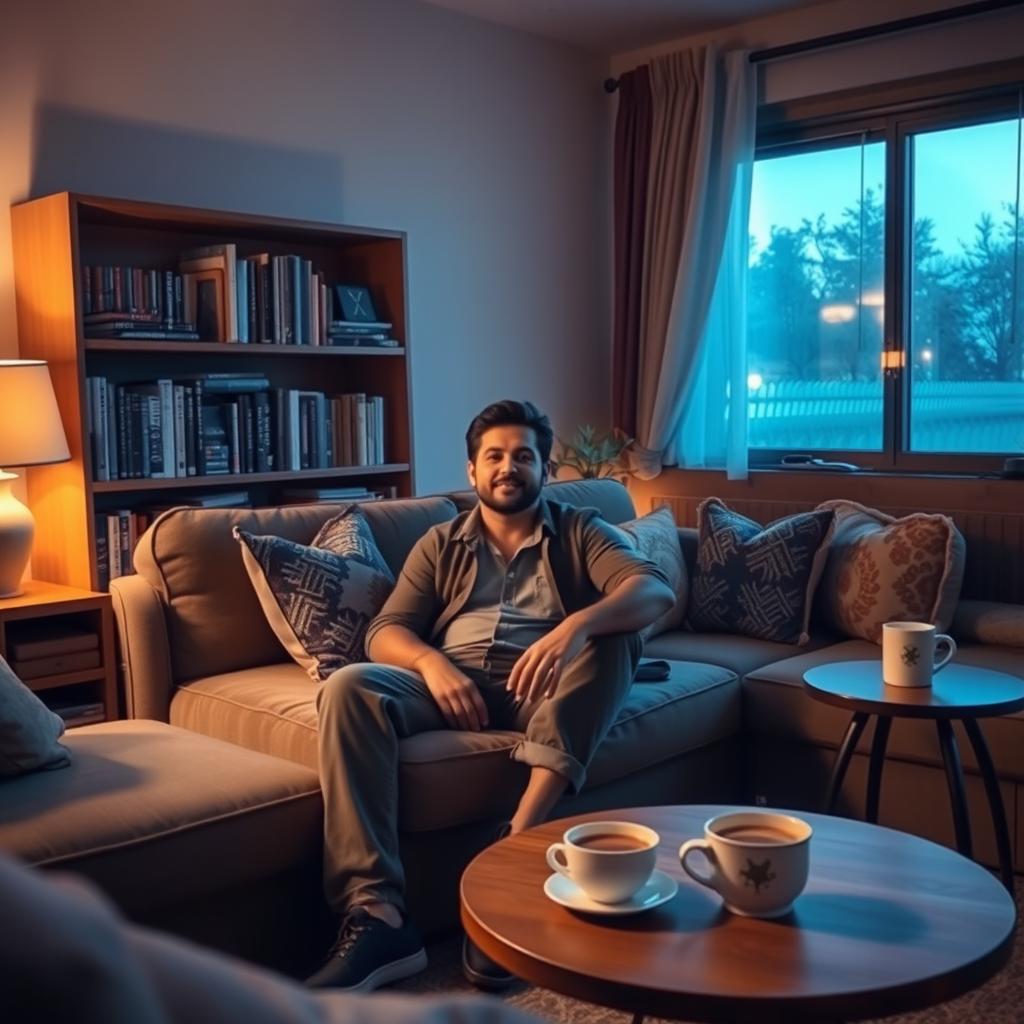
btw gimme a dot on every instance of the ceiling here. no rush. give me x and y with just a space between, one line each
617 26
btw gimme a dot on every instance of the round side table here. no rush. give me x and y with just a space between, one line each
958 692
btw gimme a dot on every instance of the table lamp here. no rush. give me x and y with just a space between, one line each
31 434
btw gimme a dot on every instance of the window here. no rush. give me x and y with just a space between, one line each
885 292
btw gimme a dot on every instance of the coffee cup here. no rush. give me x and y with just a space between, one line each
758 860
908 653
608 860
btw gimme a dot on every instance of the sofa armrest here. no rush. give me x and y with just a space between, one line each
145 655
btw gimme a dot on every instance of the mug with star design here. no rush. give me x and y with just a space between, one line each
758 861
908 653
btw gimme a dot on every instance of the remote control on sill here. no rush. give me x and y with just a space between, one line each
809 462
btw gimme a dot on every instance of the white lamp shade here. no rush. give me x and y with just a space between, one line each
31 431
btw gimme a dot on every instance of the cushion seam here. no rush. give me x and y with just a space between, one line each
190 826
255 710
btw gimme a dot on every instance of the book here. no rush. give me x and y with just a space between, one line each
44 638
357 341
55 664
222 257
79 714
355 303
355 327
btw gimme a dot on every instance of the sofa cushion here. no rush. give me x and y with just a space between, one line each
739 654
451 777
695 707
989 622
881 569
655 537
753 580
29 730
157 815
775 703
319 597
214 620
609 497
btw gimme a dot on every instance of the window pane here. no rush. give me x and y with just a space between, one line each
816 299
967 367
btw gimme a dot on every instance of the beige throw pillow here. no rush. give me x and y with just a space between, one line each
882 569
28 729
989 622
654 537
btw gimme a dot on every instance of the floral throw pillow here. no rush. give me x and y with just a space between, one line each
757 580
319 598
881 569
654 537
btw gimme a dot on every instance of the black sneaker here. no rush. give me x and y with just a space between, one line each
369 953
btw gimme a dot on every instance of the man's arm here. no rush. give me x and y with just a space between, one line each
634 603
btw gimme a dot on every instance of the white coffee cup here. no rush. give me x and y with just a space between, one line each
759 860
908 653
608 860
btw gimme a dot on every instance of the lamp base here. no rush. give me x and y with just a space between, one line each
16 530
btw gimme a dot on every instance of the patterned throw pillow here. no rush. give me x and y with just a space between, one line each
28 729
654 537
882 569
757 580
320 598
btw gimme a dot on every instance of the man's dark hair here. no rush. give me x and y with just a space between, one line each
510 413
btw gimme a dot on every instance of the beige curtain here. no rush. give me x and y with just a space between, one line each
703 111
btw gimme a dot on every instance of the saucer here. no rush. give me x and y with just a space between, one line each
658 889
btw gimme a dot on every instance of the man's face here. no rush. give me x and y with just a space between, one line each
507 473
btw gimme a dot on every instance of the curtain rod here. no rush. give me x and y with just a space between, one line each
867 32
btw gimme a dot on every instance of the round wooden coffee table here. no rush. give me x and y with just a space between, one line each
958 692
888 923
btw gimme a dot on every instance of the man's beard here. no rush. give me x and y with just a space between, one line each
518 501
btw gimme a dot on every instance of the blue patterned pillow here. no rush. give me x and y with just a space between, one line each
320 598
757 580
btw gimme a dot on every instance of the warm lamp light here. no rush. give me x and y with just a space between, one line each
31 434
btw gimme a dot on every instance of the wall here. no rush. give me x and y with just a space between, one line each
486 145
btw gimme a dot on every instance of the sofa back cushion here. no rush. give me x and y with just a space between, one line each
214 620
608 496
882 569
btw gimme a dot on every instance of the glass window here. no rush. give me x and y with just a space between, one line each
816 298
966 365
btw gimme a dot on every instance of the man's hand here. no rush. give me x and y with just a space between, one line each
453 691
539 668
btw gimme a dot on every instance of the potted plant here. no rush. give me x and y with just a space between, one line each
593 455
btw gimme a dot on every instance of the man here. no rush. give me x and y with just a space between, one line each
521 614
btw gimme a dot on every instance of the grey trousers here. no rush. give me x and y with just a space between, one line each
366 709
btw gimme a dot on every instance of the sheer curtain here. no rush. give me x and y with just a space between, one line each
713 431
690 316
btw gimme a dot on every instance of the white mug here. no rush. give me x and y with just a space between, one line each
908 653
608 860
758 860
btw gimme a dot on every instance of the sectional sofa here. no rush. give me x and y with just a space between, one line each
731 724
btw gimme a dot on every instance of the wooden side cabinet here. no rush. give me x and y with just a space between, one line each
60 642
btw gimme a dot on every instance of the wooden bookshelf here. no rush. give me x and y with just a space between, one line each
55 236
59 610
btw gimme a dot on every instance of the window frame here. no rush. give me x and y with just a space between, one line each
893 113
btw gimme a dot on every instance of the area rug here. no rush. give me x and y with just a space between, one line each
999 1001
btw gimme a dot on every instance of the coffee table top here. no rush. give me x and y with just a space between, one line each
958 691
888 923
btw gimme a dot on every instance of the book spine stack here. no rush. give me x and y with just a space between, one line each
279 300
134 304
226 424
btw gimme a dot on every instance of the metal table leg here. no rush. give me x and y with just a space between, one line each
878 744
995 799
955 781
842 761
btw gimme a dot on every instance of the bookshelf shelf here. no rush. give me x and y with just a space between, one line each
242 479
77 509
219 348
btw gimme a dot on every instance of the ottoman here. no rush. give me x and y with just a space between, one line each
194 835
